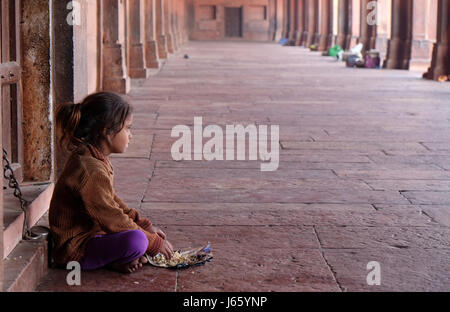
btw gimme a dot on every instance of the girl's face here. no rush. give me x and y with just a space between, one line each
118 143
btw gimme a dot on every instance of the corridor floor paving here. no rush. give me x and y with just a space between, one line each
361 195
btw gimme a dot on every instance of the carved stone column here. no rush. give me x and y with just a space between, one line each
151 45
440 64
305 33
312 22
160 29
325 25
175 33
300 16
285 27
399 46
168 26
368 31
344 25
136 39
292 22
114 70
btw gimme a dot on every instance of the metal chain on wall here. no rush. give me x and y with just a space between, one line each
35 233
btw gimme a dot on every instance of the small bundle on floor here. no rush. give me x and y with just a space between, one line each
183 259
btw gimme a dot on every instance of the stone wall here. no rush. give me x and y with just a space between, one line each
209 19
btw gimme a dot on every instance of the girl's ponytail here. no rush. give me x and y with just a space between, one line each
68 118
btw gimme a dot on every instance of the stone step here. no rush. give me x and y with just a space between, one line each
26 265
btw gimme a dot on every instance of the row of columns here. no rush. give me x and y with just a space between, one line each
153 30
308 22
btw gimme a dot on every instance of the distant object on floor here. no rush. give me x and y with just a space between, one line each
357 49
186 56
352 60
372 59
284 41
334 51
313 47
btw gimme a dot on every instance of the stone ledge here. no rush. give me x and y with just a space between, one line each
14 217
26 265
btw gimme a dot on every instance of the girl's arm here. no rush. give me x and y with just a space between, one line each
144 223
131 212
99 200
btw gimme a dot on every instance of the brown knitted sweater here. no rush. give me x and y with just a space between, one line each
84 204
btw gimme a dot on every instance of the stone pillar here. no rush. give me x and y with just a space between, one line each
62 71
178 22
344 24
300 16
173 14
136 39
399 46
160 29
168 26
368 31
36 109
325 25
440 64
312 22
114 69
285 31
272 8
292 22
305 33
151 46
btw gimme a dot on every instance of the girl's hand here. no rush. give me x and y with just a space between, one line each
158 231
167 250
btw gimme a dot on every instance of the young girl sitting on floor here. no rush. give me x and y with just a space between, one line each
89 222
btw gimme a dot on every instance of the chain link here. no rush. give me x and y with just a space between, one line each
8 173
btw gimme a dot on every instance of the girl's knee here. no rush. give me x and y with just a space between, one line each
137 241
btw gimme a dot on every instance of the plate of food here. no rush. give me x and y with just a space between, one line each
183 258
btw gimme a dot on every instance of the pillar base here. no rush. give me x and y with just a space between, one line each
114 58
170 45
325 42
398 55
137 64
298 39
139 73
180 39
175 41
151 54
162 47
304 40
441 63
119 85
343 41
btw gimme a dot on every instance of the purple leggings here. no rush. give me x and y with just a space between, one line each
117 248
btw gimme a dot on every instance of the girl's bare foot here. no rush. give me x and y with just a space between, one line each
143 260
127 267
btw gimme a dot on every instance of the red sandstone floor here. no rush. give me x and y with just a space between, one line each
364 175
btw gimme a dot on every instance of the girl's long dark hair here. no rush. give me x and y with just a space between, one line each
88 122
